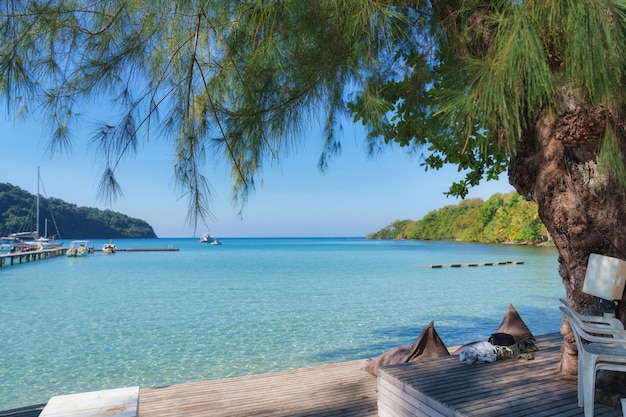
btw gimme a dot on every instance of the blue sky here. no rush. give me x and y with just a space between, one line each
356 196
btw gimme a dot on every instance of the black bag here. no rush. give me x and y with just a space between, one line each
501 339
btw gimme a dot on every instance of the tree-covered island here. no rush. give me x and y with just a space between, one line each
66 220
503 218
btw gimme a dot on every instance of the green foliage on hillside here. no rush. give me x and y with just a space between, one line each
18 214
501 219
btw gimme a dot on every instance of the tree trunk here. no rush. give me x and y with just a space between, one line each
556 166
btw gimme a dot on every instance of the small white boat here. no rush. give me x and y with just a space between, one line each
109 248
78 248
207 238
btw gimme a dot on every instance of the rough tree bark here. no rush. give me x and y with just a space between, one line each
556 166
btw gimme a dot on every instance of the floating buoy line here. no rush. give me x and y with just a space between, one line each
435 266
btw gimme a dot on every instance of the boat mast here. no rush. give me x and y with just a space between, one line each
37 228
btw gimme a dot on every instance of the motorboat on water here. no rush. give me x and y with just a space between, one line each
207 238
78 248
109 248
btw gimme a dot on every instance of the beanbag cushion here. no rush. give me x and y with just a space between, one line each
427 345
513 324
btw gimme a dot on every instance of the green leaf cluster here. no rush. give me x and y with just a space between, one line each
18 214
478 74
503 218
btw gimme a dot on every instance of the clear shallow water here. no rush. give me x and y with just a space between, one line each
250 306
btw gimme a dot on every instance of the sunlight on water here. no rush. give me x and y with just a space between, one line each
250 306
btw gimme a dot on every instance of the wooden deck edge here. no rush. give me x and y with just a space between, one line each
510 388
332 390
404 400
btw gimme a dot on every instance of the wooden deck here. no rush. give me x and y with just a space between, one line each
512 388
436 387
342 389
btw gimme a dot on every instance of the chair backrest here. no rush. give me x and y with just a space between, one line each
569 313
593 332
600 321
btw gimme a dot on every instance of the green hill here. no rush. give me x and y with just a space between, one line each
503 218
18 214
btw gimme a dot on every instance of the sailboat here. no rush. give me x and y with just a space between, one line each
45 241
29 241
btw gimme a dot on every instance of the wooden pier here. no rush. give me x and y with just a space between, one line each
148 250
142 250
30 256
18 258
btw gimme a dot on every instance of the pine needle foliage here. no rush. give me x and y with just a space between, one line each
225 82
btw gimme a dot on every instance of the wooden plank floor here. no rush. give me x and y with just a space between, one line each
444 386
512 388
342 389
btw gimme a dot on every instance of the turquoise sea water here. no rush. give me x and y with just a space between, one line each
250 306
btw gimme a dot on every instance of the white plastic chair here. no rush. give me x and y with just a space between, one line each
612 322
600 347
